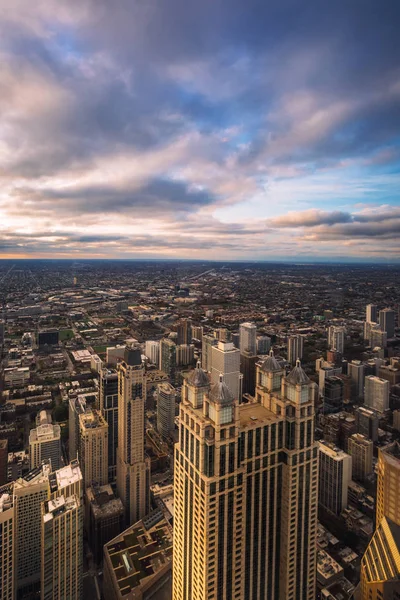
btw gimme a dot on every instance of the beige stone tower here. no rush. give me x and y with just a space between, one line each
133 467
93 448
246 490
380 565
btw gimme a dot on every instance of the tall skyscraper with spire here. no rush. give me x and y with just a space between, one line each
246 490
133 467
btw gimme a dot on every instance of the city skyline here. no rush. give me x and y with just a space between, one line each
243 131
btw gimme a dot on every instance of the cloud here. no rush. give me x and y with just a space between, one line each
310 218
212 120
379 223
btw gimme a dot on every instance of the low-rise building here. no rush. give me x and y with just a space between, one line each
138 562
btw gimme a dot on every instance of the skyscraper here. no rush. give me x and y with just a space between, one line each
248 338
45 442
376 337
166 398
334 477
108 404
133 468
361 452
356 371
371 313
295 348
3 462
208 342
152 351
376 393
77 406
168 357
248 370
333 395
93 448
336 339
29 493
263 344
380 565
387 318
246 490
184 330
367 422
61 548
225 361
7 543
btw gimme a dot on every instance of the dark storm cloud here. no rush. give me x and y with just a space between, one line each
311 218
160 196
324 225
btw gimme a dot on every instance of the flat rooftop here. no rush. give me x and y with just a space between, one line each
140 552
255 413
68 475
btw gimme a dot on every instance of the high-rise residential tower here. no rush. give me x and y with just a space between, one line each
29 493
152 351
7 543
248 338
295 348
246 483
207 343
77 406
184 331
387 318
376 393
93 448
166 398
334 477
225 361
356 371
371 315
168 357
336 339
263 344
61 548
133 467
380 565
45 442
108 405
361 450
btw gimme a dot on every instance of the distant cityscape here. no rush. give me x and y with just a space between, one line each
177 430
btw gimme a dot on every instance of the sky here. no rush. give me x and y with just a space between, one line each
212 129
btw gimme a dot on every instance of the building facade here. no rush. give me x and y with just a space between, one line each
361 451
62 548
295 348
168 357
93 448
387 319
335 468
371 313
133 467
108 405
152 351
246 481
248 338
336 339
376 394
166 399
380 565
225 361
7 543
45 442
